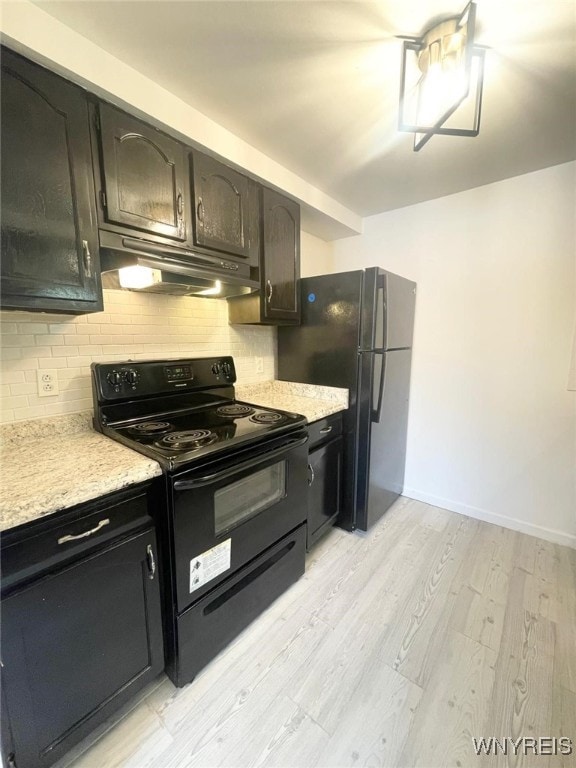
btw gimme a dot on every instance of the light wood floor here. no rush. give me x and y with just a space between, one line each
395 649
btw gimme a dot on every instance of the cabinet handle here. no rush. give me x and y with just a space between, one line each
87 258
75 536
151 561
269 291
325 430
312 474
180 204
200 210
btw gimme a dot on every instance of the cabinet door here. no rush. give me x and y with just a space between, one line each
325 491
144 175
281 257
49 234
222 207
77 644
254 219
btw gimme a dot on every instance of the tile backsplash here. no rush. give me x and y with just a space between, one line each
132 326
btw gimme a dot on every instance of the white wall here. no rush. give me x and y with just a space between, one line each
132 326
492 429
316 255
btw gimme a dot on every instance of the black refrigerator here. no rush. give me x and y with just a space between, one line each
356 332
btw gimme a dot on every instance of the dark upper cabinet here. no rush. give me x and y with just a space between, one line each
225 211
143 178
278 302
49 251
281 256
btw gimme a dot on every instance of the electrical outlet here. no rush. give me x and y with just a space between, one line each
47 382
259 365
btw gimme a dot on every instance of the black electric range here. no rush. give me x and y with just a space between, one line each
231 505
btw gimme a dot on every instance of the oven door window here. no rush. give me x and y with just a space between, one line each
245 498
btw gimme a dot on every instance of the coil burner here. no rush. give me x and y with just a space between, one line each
235 410
267 417
187 440
149 428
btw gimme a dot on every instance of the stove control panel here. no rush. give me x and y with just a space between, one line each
121 378
178 373
133 379
224 369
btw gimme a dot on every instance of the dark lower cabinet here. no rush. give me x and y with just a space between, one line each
324 476
81 639
49 257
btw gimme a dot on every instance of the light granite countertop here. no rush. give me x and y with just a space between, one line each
314 402
51 464
63 462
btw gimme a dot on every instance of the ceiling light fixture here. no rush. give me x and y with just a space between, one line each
441 80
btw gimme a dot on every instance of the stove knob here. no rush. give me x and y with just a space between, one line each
114 379
216 369
131 378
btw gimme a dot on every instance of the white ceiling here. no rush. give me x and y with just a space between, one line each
314 85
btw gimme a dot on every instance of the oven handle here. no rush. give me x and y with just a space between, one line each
184 485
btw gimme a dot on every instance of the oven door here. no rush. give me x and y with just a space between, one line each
226 513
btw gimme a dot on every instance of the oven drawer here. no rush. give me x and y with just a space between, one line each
210 624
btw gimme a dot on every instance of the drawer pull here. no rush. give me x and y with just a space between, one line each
325 430
74 537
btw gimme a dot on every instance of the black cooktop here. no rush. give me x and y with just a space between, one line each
179 411
178 438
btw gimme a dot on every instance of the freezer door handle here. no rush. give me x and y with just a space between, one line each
380 329
376 412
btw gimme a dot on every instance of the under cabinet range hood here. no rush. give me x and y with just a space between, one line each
140 265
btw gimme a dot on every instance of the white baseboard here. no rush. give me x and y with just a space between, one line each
549 534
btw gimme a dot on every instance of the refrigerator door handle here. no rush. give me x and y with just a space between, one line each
380 329
377 412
